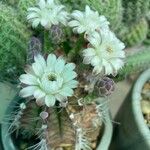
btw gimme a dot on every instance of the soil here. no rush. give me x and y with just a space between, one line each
145 103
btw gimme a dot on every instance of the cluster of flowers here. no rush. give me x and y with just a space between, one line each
52 79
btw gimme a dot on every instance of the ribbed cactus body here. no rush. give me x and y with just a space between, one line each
13 42
134 10
73 4
136 63
23 5
111 9
11 2
135 34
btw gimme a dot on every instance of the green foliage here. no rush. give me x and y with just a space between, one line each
134 34
147 40
135 63
73 4
11 2
111 9
23 5
13 43
134 10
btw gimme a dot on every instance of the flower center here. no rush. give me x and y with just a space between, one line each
109 49
52 77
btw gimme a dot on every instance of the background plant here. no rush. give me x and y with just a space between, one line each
13 43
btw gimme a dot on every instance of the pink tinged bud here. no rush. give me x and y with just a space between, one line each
44 115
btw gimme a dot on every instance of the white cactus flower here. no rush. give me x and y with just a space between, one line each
47 13
49 80
88 21
105 53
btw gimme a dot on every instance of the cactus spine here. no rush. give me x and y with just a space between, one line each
136 63
23 5
13 42
134 22
134 10
135 34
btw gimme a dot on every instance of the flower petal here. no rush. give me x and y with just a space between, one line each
28 79
67 76
71 84
40 60
69 66
60 97
59 66
66 91
38 94
38 69
27 91
51 60
50 100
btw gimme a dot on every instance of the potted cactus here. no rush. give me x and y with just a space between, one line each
64 92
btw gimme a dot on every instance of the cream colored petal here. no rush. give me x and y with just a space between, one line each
38 69
42 4
71 84
108 68
117 64
51 60
77 15
60 97
59 65
27 91
74 23
89 52
97 69
66 91
35 22
28 79
67 76
87 59
40 60
50 100
95 61
69 66
38 94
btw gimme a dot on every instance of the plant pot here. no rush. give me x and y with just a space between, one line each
7 91
132 133
9 143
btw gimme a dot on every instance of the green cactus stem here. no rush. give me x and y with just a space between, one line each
23 5
135 63
13 43
134 34
134 10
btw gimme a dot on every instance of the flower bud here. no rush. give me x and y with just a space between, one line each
56 34
105 86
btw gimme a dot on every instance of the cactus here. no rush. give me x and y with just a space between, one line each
28 128
73 5
134 10
13 43
147 40
112 9
23 5
135 63
134 34
11 2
